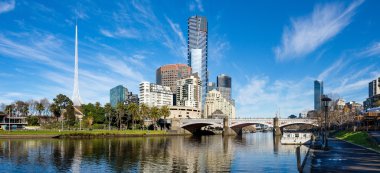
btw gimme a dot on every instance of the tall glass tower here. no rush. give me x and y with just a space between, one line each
318 92
224 85
197 41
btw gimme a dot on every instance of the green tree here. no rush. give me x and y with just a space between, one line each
108 110
32 121
165 112
40 107
154 115
62 102
120 114
133 110
9 109
144 113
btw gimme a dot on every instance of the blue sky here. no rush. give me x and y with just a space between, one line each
272 50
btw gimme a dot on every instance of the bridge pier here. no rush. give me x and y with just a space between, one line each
227 131
276 127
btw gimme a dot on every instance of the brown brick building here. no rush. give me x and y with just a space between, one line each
168 75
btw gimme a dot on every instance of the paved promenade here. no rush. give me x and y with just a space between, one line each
375 135
345 157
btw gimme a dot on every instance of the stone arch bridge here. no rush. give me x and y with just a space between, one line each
234 126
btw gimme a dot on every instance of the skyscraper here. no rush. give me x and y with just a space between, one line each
76 97
197 49
224 85
318 92
168 75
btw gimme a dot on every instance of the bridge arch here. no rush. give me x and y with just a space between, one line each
194 127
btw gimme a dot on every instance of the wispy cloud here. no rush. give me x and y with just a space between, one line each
372 50
121 33
261 97
80 14
335 67
308 33
7 5
122 68
218 48
196 4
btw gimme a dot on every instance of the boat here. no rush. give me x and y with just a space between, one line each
296 138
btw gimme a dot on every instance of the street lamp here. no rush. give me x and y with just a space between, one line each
325 103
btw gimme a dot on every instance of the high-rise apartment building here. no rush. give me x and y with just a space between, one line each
155 95
168 75
217 104
120 94
189 91
318 92
197 51
224 85
374 87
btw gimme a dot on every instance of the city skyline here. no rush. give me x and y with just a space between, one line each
273 64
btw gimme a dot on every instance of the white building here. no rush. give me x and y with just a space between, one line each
155 95
215 101
189 91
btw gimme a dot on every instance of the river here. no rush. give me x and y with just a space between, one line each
255 152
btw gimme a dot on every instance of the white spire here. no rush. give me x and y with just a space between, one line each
76 98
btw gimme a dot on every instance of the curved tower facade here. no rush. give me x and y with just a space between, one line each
197 51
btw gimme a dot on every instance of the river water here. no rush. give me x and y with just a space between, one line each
255 152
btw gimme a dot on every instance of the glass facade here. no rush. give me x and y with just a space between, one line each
197 49
117 95
224 86
318 92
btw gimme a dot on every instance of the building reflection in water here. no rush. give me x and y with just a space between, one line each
257 152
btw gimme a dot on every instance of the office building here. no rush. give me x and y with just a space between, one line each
120 94
168 75
155 95
224 85
197 49
189 91
374 88
318 92
216 104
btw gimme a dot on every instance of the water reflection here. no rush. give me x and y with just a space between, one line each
252 153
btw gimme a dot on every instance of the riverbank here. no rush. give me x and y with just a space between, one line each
81 133
361 138
343 156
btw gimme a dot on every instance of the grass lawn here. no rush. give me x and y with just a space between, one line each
82 132
359 138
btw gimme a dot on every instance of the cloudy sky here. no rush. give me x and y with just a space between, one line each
272 50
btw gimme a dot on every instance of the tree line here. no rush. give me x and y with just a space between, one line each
122 116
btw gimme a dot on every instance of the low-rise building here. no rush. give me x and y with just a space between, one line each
184 112
215 101
7 122
120 94
155 95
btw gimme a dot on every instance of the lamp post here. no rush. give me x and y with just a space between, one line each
325 103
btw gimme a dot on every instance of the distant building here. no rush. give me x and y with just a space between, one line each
168 75
120 94
197 49
374 87
339 104
318 92
8 122
373 99
215 101
211 86
189 90
184 112
155 95
354 107
224 85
